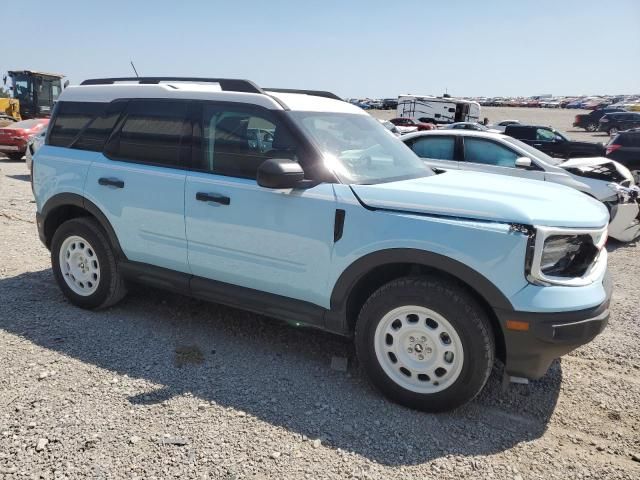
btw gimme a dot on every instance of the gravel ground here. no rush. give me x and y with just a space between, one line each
163 386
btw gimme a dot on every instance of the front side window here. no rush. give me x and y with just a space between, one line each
358 149
437 148
237 140
152 132
477 150
545 135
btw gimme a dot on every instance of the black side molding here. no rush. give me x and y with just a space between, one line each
338 226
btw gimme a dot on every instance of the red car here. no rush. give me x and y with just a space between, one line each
14 137
408 122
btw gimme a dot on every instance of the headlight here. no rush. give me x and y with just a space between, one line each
566 256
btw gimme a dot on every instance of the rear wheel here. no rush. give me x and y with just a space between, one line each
425 343
591 127
84 264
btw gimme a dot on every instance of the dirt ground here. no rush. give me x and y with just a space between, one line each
164 386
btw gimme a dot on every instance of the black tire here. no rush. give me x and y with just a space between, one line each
613 131
16 157
111 287
591 127
460 309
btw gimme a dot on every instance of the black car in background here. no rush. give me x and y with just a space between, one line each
625 149
589 121
389 103
613 123
552 142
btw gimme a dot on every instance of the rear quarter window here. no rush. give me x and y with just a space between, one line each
70 119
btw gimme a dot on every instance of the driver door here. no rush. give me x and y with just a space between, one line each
275 241
484 155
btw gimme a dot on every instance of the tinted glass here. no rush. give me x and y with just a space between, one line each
237 140
151 133
437 148
477 150
70 119
97 132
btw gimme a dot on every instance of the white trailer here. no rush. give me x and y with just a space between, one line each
439 110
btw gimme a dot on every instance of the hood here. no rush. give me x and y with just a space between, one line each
485 196
599 168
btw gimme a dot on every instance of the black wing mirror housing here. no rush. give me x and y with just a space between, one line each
280 173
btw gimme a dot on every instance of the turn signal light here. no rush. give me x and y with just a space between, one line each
517 325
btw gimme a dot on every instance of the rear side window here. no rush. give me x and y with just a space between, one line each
482 151
70 119
524 133
96 133
152 132
437 148
237 140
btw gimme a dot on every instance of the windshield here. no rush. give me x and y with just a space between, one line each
534 153
358 149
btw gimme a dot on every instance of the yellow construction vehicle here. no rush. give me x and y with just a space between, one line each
32 94
9 111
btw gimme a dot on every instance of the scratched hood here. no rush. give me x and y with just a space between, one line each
490 197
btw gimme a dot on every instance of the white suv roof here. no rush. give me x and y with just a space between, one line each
450 132
230 90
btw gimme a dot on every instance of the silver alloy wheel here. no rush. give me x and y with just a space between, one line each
636 176
419 349
613 131
79 265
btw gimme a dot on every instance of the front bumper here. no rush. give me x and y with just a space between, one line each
550 335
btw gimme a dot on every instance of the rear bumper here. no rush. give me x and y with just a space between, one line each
551 335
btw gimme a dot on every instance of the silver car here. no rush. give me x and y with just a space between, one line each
601 178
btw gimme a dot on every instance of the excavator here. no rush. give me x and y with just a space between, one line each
31 95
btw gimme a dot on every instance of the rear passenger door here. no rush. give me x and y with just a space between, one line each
138 181
437 151
270 240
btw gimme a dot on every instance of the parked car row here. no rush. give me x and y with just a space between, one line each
625 102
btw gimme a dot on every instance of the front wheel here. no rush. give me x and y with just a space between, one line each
636 176
591 127
425 343
613 131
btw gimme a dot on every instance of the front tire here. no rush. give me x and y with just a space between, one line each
16 157
85 266
613 131
591 127
425 343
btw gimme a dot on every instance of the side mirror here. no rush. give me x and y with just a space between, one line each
523 162
66 84
280 173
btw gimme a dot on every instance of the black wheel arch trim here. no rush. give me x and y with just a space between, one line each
75 200
359 268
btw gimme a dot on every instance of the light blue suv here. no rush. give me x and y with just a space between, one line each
300 206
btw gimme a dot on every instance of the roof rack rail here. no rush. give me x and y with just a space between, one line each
226 84
315 93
